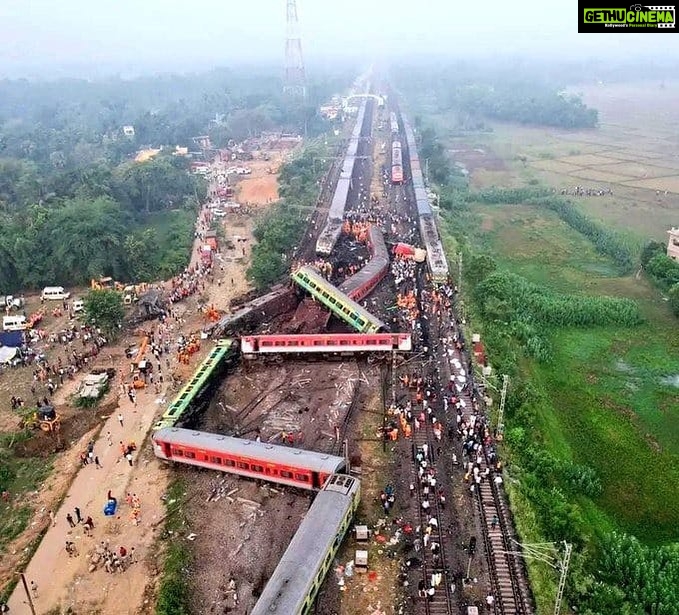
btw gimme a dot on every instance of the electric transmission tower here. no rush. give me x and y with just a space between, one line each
294 82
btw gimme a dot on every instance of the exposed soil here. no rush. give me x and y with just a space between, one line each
477 157
260 188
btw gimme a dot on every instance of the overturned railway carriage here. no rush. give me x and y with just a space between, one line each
336 301
339 343
280 299
436 258
196 394
364 281
293 586
258 460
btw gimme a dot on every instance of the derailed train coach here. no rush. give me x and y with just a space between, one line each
294 584
258 460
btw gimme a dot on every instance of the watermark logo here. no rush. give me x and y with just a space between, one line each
635 18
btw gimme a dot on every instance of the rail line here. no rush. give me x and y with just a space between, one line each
512 596
507 572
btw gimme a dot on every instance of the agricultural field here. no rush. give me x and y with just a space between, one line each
613 391
634 153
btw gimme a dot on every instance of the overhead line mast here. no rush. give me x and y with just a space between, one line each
295 80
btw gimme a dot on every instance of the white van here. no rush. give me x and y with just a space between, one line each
54 293
78 306
14 323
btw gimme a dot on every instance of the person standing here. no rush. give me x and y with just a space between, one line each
78 517
69 518
120 419
53 517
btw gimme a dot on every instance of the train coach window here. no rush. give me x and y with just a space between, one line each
243 466
190 455
302 477
318 342
216 460
177 453
255 468
344 342
229 462
285 474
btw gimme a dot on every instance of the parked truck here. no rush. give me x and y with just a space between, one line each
206 255
211 240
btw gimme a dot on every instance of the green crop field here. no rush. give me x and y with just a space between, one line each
613 391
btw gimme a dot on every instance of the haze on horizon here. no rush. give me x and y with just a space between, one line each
42 38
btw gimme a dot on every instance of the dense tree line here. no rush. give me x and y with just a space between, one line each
69 123
476 92
75 225
72 203
663 270
528 312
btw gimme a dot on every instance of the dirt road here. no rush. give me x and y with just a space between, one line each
64 582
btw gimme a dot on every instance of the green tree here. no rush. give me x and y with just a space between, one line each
104 309
674 299
480 268
651 249
140 255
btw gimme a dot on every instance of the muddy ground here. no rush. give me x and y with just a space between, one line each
242 527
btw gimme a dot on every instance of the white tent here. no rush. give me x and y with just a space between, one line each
7 354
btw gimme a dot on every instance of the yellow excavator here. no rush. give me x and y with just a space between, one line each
44 418
106 283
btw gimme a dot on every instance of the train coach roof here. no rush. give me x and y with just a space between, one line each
296 570
273 453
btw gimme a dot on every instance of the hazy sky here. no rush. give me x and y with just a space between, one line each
173 34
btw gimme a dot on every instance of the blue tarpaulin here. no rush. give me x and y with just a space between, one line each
12 339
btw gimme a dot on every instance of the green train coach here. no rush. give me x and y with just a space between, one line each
192 396
336 301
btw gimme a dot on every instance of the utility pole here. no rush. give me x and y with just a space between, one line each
565 563
345 449
501 411
459 272
295 80
28 593
548 553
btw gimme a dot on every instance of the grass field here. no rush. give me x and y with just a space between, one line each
634 152
614 392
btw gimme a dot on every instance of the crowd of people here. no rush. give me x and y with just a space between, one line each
583 191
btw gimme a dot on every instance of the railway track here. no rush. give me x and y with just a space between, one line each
440 603
508 577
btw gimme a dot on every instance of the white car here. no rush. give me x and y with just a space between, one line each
220 213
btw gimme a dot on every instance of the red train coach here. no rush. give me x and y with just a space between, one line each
344 343
279 464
